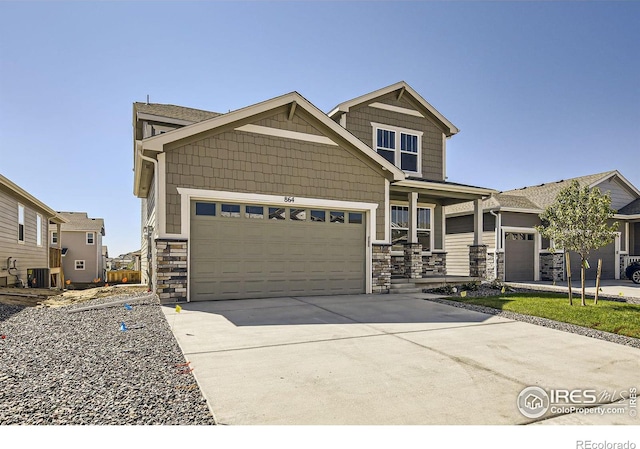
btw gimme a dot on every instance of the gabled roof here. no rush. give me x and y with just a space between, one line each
156 143
539 197
175 112
399 86
80 221
26 197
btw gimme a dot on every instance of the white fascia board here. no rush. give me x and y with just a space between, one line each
480 191
157 143
626 217
522 211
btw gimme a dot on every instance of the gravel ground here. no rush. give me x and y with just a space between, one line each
61 368
566 327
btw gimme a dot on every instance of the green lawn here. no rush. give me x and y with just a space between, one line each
609 316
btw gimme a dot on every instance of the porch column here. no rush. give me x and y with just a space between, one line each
477 251
477 222
413 218
413 249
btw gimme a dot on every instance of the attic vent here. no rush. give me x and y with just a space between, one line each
558 182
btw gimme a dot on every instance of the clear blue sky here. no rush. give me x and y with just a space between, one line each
540 90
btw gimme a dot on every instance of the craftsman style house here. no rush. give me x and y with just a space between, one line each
279 198
27 259
514 249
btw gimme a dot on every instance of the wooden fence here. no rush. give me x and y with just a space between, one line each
123 277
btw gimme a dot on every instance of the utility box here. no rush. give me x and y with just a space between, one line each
38 277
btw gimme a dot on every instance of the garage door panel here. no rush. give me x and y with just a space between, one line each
519 256
606 253
251 258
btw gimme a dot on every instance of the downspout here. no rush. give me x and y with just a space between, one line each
156 197
497 243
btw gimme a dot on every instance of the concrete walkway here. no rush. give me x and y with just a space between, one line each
385 359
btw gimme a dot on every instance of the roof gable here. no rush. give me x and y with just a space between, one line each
538 197
333 132
402 88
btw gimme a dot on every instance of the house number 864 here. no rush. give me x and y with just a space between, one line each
289 199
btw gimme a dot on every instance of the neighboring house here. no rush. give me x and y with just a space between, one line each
279 198
81 239
522 254
128 261
27 257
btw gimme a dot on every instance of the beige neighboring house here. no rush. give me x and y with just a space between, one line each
515 251
279 198
82 249
27 257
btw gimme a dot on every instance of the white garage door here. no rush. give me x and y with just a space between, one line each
256 251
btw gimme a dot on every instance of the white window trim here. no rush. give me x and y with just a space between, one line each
75 265
397 151
87 238
57 237
21 222
39 227
432 239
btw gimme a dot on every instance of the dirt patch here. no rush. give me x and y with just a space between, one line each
51 298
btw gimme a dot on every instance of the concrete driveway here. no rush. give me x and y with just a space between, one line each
387 359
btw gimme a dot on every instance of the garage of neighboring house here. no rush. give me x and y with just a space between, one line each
255 250
519 255
608 256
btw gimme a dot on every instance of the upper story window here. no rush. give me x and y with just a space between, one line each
54 238
20 223
401 147
91 238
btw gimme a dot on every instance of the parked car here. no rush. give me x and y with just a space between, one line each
633 272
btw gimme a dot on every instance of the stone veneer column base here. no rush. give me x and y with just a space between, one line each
171 274
478 261
381 268
434 264
551 267
413 260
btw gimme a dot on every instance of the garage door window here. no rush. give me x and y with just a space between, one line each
230 210
355 218
254 212
318 216
518 236
298 214
336 217
277 213
206 209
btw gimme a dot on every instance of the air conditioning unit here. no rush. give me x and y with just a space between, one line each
38 277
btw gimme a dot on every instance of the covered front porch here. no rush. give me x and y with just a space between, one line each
416 232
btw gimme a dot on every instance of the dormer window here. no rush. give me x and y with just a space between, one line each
401 147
